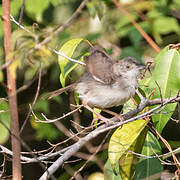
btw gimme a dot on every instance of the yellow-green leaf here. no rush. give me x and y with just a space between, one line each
68 49
123 141
13 67
4 121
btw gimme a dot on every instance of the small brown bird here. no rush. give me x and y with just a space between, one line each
107 83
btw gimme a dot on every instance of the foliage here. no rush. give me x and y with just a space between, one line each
5 121
100 23
166 82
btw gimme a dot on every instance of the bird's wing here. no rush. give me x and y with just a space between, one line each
99 64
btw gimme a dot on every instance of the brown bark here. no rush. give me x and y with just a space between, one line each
12 98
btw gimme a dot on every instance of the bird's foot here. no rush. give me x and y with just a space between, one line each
118 116
99 116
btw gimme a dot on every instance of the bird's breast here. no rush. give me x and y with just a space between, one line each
106 96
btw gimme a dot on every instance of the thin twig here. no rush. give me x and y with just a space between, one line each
5 65
103 128
22 27
64 26
57 119
137 26
177 163
91 157
21 12
70 59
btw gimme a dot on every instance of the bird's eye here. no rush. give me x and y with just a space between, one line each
127 66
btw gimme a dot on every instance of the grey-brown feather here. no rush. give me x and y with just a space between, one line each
99 64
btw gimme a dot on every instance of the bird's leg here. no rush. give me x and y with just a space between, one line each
118 116
99 116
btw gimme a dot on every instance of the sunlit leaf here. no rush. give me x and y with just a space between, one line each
13 67
68 49
15 6
164 25
43 51
36 8
166 82
148 167
129 137
1 76
4 121
128 106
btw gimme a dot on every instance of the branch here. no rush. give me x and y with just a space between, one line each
12 97
22 27
34 102
70 59
137 26
105 127
64 26
74 148
21 12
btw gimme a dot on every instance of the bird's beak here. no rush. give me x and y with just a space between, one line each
141 67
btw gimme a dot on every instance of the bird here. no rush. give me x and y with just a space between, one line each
107 83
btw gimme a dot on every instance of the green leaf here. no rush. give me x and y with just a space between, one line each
58 2
1 76
144 86
92 9
36 8
15 6
68 49
129 137
166 75
44 131
128 106
148 167
42 105
109 174
131 51
4 121
96 7
164 25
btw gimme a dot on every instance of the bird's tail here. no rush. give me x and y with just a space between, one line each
58 91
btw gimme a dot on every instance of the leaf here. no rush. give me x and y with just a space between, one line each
36 8
164 25
42 105
109 174
68 49
44 131
15 6
1 76
4 121
166 75
96 8
148 167
129 137
43 52
91 8
13 67
131 51
128 106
